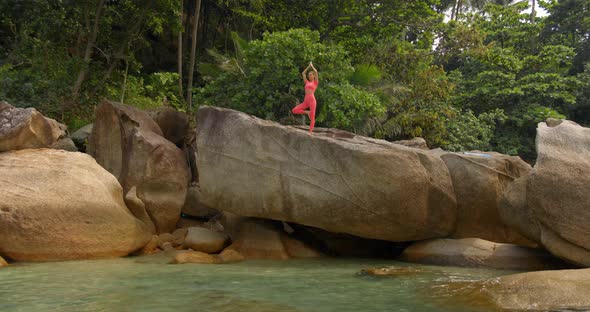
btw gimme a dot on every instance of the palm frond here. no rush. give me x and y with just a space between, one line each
364 75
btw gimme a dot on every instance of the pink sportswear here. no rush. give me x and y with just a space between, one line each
308 102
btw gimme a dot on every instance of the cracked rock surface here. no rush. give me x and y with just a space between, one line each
333 180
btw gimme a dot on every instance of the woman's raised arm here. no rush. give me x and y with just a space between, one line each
317 78
303 73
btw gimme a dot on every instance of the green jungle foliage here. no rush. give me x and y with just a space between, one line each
465 75
265 80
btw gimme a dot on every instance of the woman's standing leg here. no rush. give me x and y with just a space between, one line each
312 106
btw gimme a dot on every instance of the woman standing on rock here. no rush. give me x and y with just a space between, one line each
311 83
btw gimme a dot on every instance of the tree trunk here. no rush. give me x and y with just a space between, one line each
88 51
191 71
533 38
459 7
180 50
533 12
121 54
453 17
124 88
81 33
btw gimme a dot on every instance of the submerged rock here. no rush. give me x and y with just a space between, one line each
479 179
563 290
474 252
195 257
333 180
129 144
24 128
550 205
391 271
58 205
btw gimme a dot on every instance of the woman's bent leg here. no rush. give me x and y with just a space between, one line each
300 109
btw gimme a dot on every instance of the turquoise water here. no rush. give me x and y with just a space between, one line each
149 284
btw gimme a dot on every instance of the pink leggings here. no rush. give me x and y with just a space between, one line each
308 102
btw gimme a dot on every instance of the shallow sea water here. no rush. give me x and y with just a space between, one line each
150 284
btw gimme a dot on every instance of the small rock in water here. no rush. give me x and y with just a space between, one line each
195 257
391 271
231 256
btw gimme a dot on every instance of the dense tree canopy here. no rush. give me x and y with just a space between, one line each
462 74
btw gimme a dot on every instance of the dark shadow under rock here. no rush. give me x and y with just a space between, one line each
345 245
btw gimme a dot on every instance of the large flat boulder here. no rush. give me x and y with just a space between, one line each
58 205
561 290
550 205
333 180
479 180
23 128
130 145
